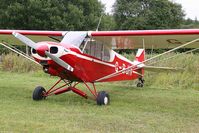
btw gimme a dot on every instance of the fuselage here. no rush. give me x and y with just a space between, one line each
83 67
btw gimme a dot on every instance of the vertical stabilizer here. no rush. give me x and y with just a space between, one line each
140 56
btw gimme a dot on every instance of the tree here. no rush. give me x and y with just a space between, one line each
50 14
147 14
190 24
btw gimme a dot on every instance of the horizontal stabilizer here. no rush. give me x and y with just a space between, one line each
162 69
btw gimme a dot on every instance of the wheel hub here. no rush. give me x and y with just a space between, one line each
106 100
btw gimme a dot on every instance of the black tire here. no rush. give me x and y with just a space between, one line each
140 85
103 98
38 93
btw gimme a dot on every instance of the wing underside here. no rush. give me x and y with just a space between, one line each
37 36
149 39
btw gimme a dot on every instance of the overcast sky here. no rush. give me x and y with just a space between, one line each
191 7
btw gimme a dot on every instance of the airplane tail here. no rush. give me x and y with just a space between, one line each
140 56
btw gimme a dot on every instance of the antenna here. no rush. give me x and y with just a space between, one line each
99 22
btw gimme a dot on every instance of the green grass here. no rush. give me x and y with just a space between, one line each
151 109
168 103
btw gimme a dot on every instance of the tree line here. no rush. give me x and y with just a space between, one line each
85 14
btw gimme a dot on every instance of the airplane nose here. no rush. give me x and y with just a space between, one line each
41 50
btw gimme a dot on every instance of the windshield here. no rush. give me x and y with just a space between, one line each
74 38
96 49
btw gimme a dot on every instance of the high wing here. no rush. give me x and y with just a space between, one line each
150 39
7 37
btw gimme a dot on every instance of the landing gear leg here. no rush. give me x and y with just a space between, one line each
40 93
102 97
140 82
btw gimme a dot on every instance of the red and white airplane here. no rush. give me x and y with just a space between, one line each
88 57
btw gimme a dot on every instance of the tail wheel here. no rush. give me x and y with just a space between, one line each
103 98
38 93
140 82
140 85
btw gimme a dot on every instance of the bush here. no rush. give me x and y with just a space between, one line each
16 63
188 78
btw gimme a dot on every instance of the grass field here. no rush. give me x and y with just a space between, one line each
145 110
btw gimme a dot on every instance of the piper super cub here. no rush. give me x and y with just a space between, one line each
88 56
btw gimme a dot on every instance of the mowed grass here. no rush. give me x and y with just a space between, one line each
143 110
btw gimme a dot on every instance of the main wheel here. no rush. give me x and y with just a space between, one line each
103 98
38 93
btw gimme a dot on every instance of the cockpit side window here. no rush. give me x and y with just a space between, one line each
96 49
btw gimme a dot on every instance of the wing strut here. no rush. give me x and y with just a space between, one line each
20 53
174 56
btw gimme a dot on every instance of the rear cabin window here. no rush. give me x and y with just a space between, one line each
96 49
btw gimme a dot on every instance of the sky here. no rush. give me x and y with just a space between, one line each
189 6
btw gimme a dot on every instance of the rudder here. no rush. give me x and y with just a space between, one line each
140 56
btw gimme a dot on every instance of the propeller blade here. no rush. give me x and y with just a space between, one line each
25 40
59 61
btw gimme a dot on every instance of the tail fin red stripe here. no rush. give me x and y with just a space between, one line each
140 56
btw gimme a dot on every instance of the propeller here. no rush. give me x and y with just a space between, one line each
59 61
42 50
39 48
25 40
